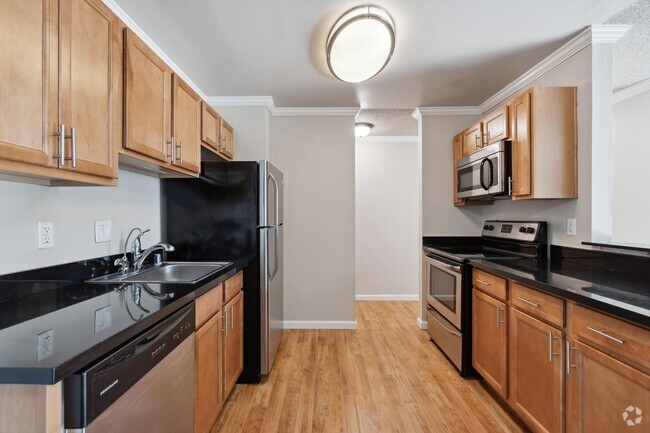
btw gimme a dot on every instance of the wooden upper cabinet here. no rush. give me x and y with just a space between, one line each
472 137
496 125
208 385
88 77
210 127
544 144
489 341
186 125
458 153
536 388
604 394
28 53
227 140
234 342
147 100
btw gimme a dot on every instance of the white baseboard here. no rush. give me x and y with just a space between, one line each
316 324
422 323
386 297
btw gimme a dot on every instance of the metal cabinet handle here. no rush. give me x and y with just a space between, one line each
61 134
569 366
180 151
457 334
232 315
73 136
476 141
225 318
550 346
510 182
499 321
172 150
529 302
485 283
603 334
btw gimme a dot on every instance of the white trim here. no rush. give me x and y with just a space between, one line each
387 139
241 101
422 324
416 114
449 111
316 324
386 297
607 33
315 111
628 92
117 10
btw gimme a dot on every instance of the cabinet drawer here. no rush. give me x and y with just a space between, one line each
538 304
208 304
491 284
234 285
628 340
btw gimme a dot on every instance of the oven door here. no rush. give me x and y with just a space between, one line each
484 174
443 286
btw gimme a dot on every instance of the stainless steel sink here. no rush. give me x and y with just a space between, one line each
168 272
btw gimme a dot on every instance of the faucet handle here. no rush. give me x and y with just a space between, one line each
123 263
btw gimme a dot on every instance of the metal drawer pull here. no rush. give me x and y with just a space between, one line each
485 283
601 333
550 347
569 366
529 302
457 334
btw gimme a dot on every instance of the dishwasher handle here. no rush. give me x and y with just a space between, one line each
91 391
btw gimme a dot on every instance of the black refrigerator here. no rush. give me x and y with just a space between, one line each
234 212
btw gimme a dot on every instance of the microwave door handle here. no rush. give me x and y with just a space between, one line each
491 173
481 174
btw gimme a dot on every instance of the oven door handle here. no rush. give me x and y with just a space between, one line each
457 334
440 265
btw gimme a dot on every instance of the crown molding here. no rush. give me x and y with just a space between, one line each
628 92
314 111
241 101
590 35
417 114
387 139
117 10
449 111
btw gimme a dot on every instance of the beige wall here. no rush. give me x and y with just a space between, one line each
387 207
316 155
252 131
74 210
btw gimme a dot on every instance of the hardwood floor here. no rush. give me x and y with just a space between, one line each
386 376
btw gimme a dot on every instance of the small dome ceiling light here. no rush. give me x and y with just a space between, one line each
360 44
362 129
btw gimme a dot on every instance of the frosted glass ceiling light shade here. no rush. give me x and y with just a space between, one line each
360 44
362 129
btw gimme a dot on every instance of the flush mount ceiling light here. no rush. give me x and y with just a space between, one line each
360 44
361 129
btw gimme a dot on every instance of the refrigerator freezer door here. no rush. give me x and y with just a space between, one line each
272 296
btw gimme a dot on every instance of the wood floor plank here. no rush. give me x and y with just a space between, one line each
384 377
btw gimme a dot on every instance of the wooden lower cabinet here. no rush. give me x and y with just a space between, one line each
489 340
234 342
604 394
208 386
536 385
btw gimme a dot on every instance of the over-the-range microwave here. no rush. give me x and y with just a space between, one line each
485 173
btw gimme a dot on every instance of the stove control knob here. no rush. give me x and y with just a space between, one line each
486 227
530 230
522 229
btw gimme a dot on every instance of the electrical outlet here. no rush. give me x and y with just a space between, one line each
571 227
102 231
102 318
45 235
45 344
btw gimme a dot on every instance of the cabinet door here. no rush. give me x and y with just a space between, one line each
227 140
521 146
496 126
458 153
210 127
234 352
489 341
472 138
28 55
186 121
88 74
535 367
208 384
147 100
604 394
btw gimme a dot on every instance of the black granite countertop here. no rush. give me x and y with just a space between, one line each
623 295
68 308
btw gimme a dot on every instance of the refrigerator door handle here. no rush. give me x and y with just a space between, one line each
277 199
277 264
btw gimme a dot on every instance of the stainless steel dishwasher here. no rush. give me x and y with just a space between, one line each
145 386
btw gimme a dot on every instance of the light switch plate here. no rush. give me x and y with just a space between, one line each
45 235
102 231
571 227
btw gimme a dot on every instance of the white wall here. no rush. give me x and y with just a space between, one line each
386 228
439 216
252 131
316 155
74 210
575 71
631 153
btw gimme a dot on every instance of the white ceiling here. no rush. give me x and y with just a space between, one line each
393 122
448 52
